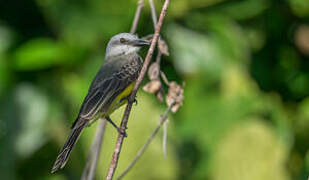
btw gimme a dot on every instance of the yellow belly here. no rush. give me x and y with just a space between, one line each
116 103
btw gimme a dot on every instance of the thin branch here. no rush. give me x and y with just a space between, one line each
93 157
140 6
154 21
124 122
143 149
153 13
158 58
164 78
164 138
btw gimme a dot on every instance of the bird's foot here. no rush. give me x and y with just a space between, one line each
128 99
118 129
135 101
123 133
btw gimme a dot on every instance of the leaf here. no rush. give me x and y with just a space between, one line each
153 86
262 154
174 95
34 110
37 54
6 38
208 53
300 7
154 71
163 47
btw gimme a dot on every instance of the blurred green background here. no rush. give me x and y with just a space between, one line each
246 108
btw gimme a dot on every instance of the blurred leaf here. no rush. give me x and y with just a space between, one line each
262 154
304 111
302 121
6 38
33 110
208 53
256 38
88 23
299 85
193 52
228 37
307 162
237 82
4 74
241 10
300 7
302 38
55 177
37 54
43 53
6 41
179 8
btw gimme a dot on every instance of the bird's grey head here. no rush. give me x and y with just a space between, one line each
124 44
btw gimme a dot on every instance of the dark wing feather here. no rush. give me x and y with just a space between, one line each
110 81
63 155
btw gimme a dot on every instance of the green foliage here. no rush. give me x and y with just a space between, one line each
37 54
246 106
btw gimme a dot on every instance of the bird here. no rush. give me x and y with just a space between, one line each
109 90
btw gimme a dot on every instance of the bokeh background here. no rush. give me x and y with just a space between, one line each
246 108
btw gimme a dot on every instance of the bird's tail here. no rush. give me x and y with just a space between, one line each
63 156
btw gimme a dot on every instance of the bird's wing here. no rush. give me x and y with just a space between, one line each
113 77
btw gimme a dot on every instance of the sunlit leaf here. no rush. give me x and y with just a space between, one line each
37 54
262 154
33 110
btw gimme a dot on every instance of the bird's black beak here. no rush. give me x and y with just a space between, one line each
140 42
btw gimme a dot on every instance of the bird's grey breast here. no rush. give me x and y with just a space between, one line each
123 68
130 68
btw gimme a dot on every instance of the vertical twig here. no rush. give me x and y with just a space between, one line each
165 138
114 162
140 6
153 13
143 149
158 61
154 21
94 154
164 78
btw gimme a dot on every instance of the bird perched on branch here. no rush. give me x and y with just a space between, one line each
109 90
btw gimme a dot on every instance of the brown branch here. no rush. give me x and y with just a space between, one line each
143 149
153 13
94 154
154 21
164 78
164 142
140 6
114 162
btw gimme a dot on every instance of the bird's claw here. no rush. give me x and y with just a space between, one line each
135 101
123 133
128 99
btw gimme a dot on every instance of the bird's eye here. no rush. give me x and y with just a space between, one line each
122 40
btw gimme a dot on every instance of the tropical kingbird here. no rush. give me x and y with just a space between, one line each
109 90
